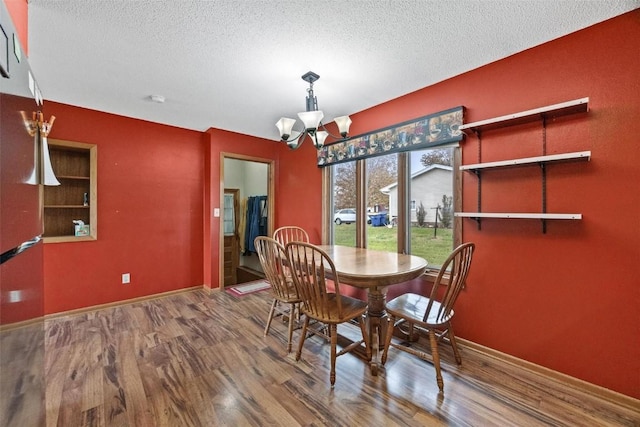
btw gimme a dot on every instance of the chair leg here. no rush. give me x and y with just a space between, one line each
334 343
291 321
387 339
270 318
303 335
436 358
454 345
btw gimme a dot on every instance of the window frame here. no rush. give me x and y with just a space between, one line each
404 209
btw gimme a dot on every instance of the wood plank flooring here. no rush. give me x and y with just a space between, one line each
198 359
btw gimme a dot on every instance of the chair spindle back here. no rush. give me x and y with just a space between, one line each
457 265
311 268
290 233
273 259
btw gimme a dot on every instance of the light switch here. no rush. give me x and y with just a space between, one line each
216 212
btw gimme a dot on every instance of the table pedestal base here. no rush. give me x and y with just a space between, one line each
377 325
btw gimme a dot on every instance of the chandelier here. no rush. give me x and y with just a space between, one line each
311 120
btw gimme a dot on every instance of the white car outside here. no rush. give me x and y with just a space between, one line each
346 216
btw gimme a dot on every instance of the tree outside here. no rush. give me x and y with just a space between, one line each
381 171
344 185
437 157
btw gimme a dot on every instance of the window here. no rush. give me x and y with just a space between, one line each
229 217
431 191
344 198
416 217
381 175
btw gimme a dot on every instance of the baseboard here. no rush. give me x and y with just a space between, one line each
21 324
210 290
118 303
596 390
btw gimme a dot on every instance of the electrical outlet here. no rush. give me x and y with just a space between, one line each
126 278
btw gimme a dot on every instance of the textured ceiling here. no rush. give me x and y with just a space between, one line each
237 64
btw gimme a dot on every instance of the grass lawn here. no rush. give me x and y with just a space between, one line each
435 249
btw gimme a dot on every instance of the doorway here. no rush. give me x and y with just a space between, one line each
244 180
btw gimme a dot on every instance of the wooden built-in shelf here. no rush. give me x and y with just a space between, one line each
551 111
72 177
74 164
66 239
553 158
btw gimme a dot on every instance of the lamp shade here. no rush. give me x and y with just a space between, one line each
319 138
285 125
343 123
311 120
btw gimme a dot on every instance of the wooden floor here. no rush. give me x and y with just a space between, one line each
194 359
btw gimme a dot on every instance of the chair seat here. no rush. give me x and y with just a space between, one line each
413 306
351 308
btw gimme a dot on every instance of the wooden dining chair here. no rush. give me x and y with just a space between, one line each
311 268
275 266
431 315
290 233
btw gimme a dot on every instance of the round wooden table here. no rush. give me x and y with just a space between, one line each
374 271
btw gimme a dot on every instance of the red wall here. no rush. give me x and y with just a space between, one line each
216 142
150 184
569 299
299 195
297 198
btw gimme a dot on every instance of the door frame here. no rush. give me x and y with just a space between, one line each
270 200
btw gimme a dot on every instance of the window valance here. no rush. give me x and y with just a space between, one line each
429 131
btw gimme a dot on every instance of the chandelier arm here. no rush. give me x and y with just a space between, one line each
298 145
300 138
300 135
324 128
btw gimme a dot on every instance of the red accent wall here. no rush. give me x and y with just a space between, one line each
297 196
219 141
150 184
569 299
300 198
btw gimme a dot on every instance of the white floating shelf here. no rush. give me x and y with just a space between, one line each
518 215
570 107
564 157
